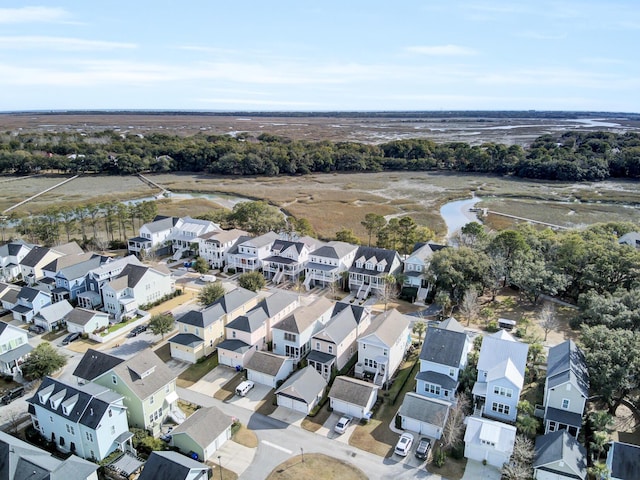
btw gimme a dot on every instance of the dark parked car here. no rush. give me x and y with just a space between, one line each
37 329
422 450
137 330
70 338
11 395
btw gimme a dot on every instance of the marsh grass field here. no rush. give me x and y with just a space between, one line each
335 201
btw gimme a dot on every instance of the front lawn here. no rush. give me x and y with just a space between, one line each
198 370
316 466
314 423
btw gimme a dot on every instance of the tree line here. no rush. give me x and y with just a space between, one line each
571 156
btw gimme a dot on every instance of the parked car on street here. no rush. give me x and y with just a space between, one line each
343 424
137 330
403 447
422 450
72 337
11 395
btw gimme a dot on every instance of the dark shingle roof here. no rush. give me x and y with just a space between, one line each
445 347
252 321
204 426
445 381
304 385
566 362
560 446
234 346
358 311
133 273
351 390
186 339
170 466
81 316
266 362
625 460
95 363
424 409
28 293
380 254
35 256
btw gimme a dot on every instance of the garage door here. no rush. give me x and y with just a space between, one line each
300 407
346 408
261 378
224 360
422 428
285 401
182 355
497 459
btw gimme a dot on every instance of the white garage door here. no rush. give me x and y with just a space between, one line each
479 453
422 428
347 408
300 407
261 378
224 360
182 355
285 401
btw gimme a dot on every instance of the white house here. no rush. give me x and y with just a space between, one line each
14 348
87 420
353 397
488 440
632 239
566 388
152 235
98 277
327 263
213 246
416 266
29 303
203 433
302 391
501 368
247 256
559 456
269 369
370 269
52 316
133 287
186 231
287 260
292 335
82 320
381 348
11 254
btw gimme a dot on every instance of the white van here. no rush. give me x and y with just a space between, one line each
244 388
208 278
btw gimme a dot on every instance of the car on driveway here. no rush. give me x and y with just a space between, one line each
343 424
70 338
37 329
403 447
244 387
11 395
422 450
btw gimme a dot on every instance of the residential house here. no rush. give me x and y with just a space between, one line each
371 269
269 369
501 368
213 246
287 260
292 335
19 458
488 441
361 314
623 461
71 280
83 320
302 391
247 255
632 239
14 348
353 397
382 347
566 388
200 331
50 270
32 264
87 420
9 296
152 235
185 233
416 266
133 287
327 264
172 465
51 317
98 277
148 387
558 456
11 254
94 364
251 332
442 358
203 433
29 303
423 415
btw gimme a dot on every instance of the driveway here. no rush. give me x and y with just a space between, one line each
233 456
477 471
214 380
289 416
252 399
327 430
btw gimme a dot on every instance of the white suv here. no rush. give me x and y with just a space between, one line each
343 424
244 388
403 447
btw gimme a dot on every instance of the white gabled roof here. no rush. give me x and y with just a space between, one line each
500 347
501 434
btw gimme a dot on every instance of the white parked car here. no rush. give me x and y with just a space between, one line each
403 447
343 424
244 388
207 278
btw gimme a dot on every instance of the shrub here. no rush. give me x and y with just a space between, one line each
492 326
439 458
231 271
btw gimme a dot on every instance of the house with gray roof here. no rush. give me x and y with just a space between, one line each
11 254
29 303
353 397
52 316
442 358
148 387
96 278
32 264
65 261
287 259
501 369
292 335
172 465
204 432
269 369
14 348
21 460
94 364
71 280
370 269
83 320
201 331
185 233
415 268
623 461
214 246
302 391
248 255
632 239
566 388
382 347
88 420
327 263
423 415
558 456
488 441
152 235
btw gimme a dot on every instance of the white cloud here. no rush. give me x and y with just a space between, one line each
60 43
269 103
32 14
441 50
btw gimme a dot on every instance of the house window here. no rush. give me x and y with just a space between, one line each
553 426
500 408
432 388
185 328
114 379
486 442
110 413
113 429
89 436
330 348
62 441
370 363
151 400
197 331
505 392
452 372
317 345
51 419
166 388
565 403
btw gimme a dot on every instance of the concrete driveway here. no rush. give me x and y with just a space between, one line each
214 380
477 471
233 456
327 429
289 416
252 399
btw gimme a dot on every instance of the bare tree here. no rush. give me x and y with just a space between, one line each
454 427
519 466
469 307
548 319
389 290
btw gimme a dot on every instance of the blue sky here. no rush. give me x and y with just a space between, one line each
320 55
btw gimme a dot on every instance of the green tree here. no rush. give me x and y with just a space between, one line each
210 293
419 327
253 281
43 361
533 277
456 270
598 443
373 223
527 425
200 265
161 324
303 227
257 218
472 235
509 244
347 235
407 231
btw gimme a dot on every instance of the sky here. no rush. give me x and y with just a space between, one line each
320 55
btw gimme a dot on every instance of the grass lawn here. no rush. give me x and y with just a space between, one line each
316 466
51 336
187 407
453 469
228 390
268 404
198 370
313 424
246 437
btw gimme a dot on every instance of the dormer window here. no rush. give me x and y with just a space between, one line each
358 264
380 268
369 266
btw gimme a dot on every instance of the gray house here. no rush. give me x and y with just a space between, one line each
302 391
558 456
173 466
